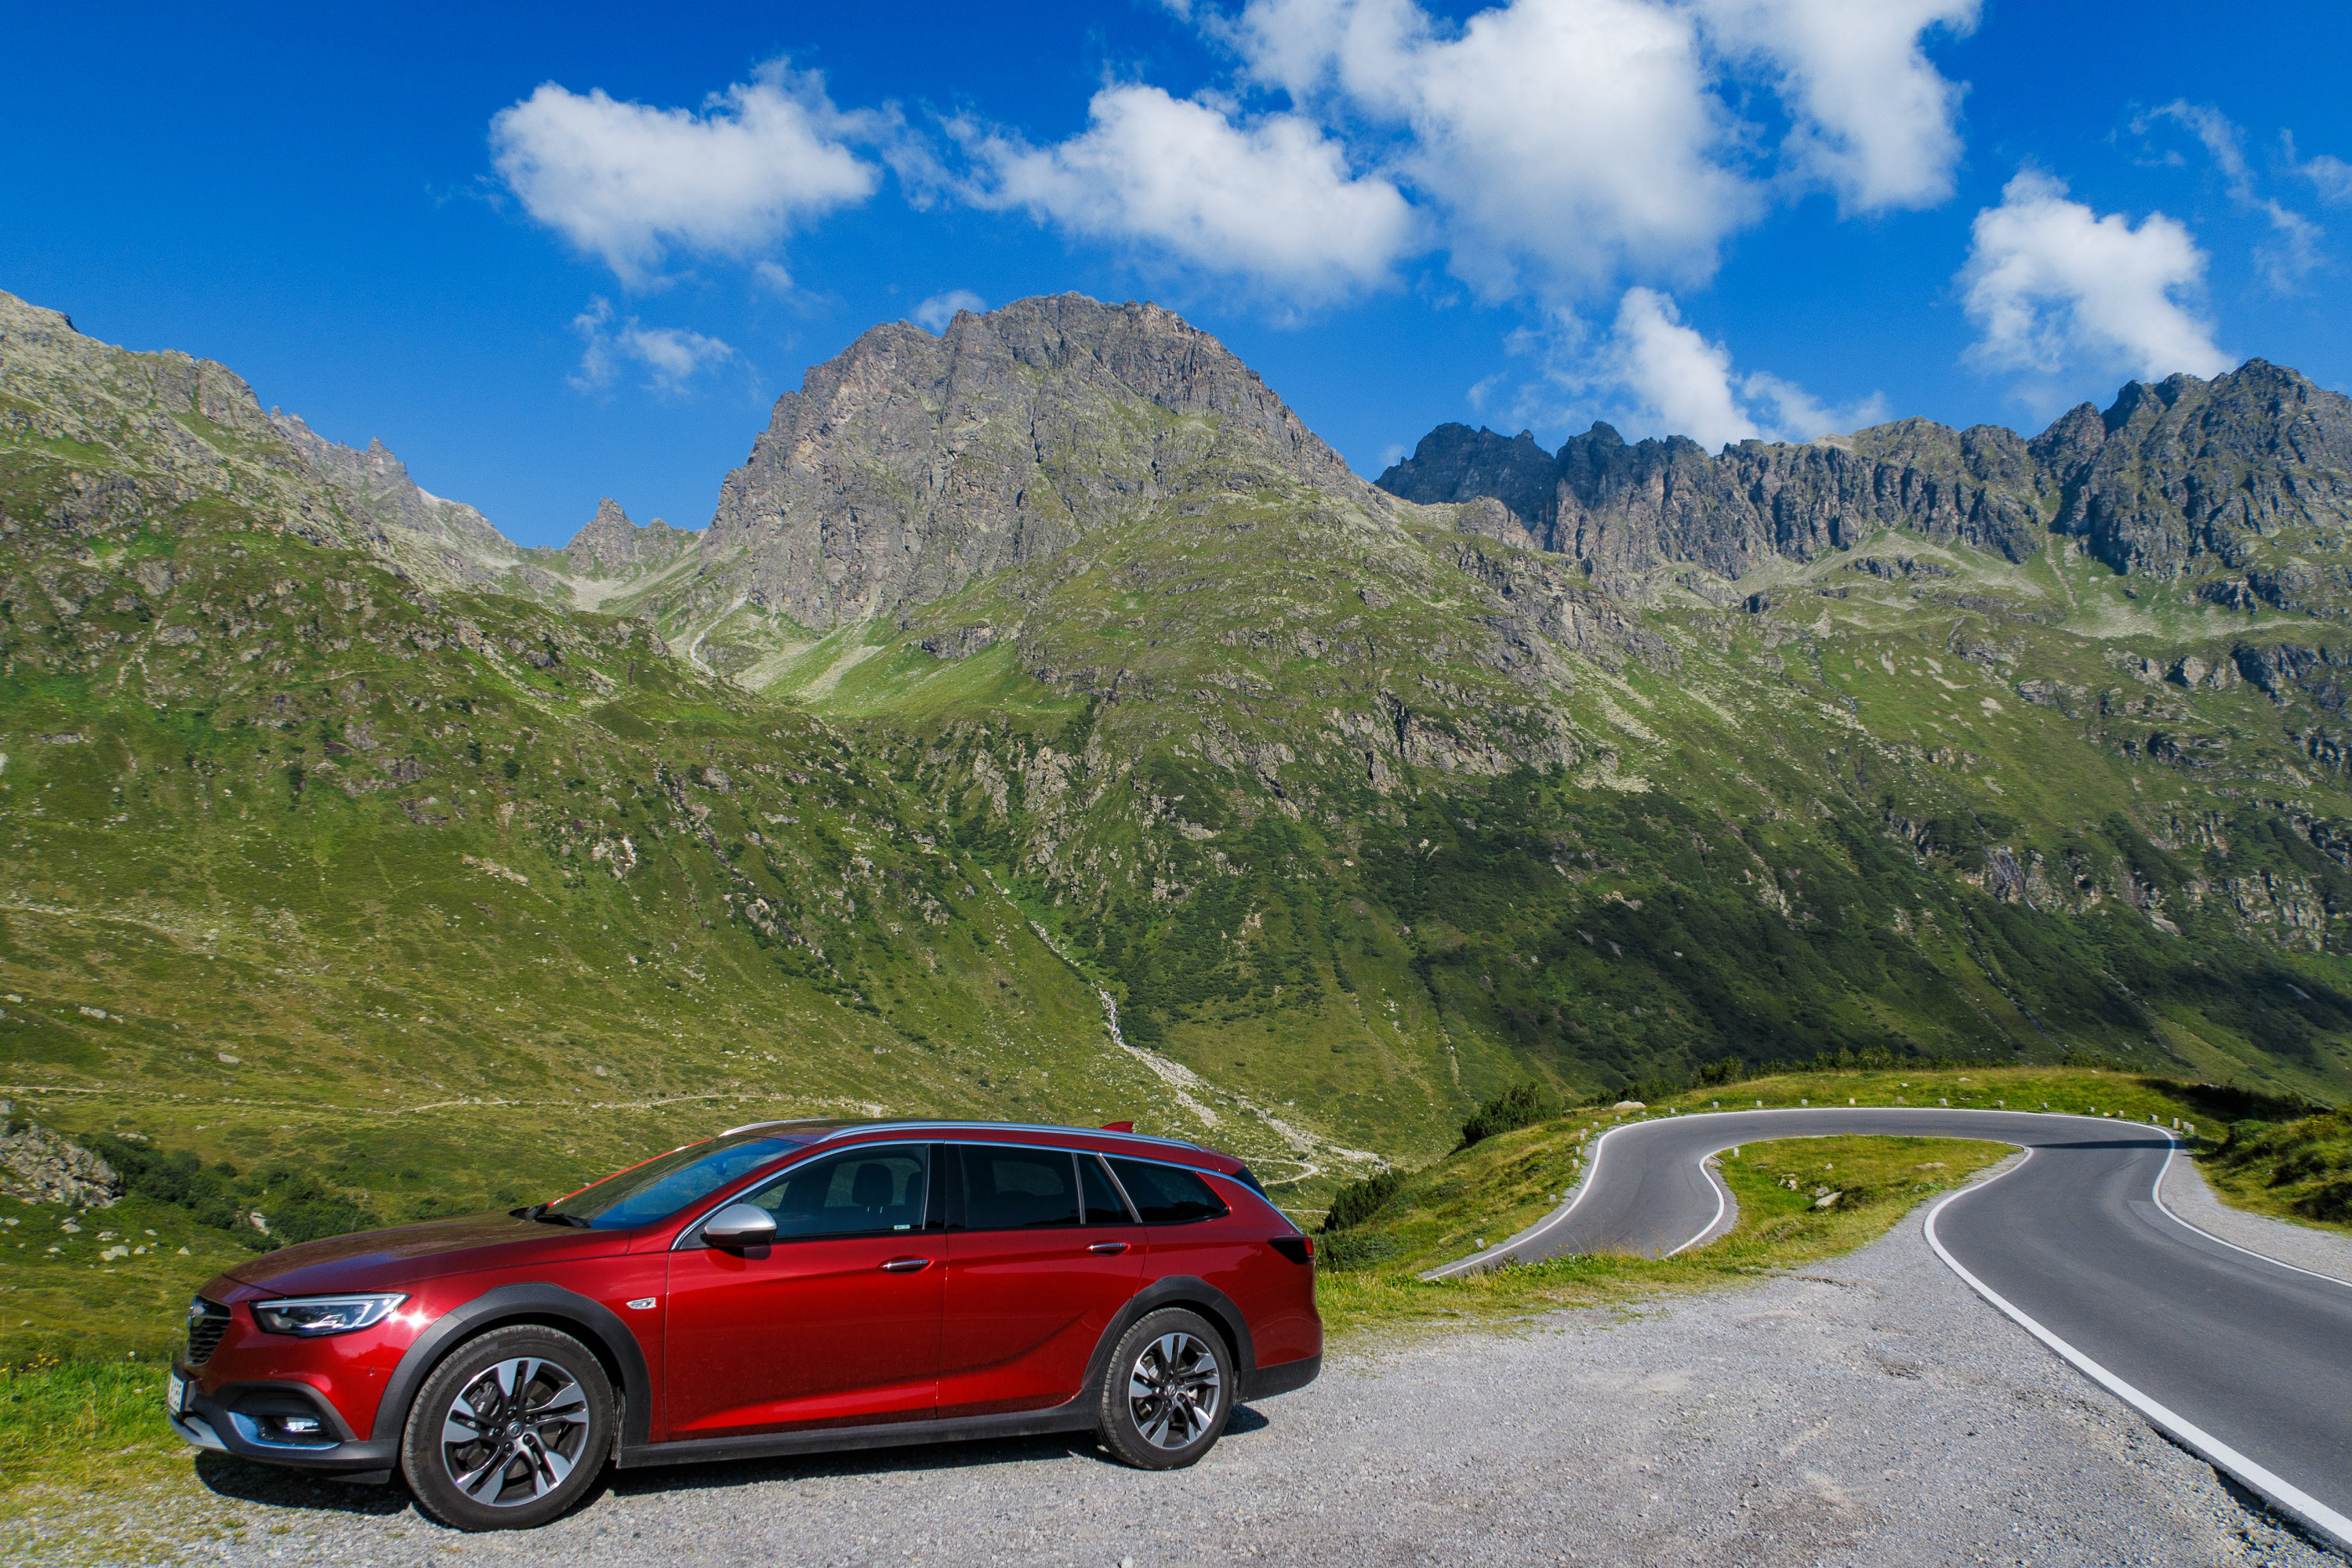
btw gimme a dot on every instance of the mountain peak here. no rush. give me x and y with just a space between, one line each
909 463
612 545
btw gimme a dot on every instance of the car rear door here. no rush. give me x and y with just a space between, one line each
835 1324
1042 1254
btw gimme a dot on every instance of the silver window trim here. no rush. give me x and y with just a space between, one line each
1118 1188
691 1238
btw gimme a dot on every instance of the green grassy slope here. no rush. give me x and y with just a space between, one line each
1268 770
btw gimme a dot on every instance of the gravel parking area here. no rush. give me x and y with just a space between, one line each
1869 1411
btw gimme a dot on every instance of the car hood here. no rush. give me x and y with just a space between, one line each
385 1259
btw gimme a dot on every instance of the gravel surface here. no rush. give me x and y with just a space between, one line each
2186 1194
1871 1411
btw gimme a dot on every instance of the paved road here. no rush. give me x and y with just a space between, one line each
2246 1361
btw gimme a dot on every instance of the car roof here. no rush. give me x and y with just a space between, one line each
827 1129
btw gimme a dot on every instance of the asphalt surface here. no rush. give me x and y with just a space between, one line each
2245 1360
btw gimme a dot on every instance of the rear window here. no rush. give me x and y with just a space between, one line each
1167 1195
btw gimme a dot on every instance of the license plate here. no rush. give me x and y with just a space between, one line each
175 1393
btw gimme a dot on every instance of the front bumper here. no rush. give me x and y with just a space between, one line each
244 1419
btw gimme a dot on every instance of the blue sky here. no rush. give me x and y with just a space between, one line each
549 254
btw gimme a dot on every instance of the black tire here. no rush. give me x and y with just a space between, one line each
524 1461
1167 1390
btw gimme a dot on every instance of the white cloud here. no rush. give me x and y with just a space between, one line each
671 356
1675 373
2329 175
2295 253
1274 202
1682 384
934 313
1873 117
1651 373
1570 144
2054 287
1565 142
631 184
1797 416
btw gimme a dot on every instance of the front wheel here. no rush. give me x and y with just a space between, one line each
508 1431
1167 1392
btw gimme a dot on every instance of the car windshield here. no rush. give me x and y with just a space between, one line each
659 1188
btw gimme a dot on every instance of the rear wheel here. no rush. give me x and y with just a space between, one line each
509 1430
1167 1392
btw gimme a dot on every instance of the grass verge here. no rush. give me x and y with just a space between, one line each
2299 1170
81 1425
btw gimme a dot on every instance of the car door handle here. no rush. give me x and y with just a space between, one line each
906 1265
1105 1249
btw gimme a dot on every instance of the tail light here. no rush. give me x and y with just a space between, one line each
1298 1249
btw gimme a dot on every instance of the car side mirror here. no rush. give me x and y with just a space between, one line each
740 1225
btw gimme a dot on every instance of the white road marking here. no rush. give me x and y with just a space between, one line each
2288 1499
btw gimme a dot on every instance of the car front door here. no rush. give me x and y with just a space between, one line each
1045 1255
836 1324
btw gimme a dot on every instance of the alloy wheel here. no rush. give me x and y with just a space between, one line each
1173 1389
514 1431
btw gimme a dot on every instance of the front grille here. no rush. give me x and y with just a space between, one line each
207 1321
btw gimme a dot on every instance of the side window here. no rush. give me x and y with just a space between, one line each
1166 1194
1101 1199
859 1192
1018 1189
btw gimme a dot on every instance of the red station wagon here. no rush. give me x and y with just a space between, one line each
783 1287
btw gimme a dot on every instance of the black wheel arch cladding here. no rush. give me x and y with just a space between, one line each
593 1323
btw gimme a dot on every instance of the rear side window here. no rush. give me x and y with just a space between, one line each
1018 1189
1102 1200
1166 1194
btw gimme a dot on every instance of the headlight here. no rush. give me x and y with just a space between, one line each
313 1316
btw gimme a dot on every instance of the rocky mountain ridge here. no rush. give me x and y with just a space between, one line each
178 430
2183 478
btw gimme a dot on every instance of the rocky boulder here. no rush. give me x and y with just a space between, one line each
41 1167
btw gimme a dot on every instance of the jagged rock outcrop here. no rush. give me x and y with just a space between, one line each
910 464
1630 509
444 541
182 430
2172 474
40 1167
2184 470
613 546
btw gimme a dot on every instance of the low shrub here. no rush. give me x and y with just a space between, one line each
1359 1201
1521 1105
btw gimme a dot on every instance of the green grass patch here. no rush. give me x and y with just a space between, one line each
2299 1170
76 1423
